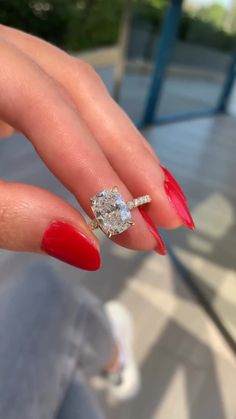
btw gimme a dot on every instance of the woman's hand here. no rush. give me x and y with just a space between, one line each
61 105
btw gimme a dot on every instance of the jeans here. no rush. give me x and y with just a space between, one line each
52 333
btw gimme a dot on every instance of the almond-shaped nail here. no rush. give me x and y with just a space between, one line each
62 241
160 247
179 204
170 178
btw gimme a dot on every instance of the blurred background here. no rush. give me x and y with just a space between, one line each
171 65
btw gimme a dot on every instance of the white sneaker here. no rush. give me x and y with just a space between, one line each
125 383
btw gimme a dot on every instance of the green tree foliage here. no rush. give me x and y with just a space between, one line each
230 21
71 24
83 24
206 26
214 14
200 32
150 10
47 19
94 23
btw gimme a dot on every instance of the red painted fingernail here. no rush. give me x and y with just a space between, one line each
64 242
179 204
171 179
160 248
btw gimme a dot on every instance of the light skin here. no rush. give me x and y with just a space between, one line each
61 105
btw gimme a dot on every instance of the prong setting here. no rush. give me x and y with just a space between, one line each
112 214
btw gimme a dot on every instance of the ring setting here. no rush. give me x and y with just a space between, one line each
112 214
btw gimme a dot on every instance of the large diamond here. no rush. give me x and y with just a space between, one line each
111 212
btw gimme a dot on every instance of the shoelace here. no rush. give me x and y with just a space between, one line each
114 377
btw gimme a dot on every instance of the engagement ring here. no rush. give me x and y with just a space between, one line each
112 214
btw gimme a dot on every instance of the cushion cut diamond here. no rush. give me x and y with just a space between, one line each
111 212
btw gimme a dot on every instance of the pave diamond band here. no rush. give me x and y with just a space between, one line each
112 214
139 201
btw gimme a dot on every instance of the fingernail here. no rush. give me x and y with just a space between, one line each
179 204
64 242
170 178
161 247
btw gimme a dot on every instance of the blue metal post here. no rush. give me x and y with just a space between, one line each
227 88
167 39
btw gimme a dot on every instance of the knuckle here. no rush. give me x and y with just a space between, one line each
81 67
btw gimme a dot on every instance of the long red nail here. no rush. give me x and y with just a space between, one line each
179 204
160 248
64 242
173 181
